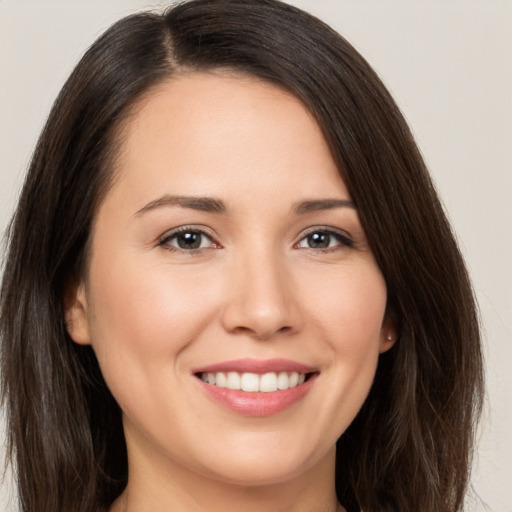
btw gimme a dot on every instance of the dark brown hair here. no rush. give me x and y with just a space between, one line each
409 447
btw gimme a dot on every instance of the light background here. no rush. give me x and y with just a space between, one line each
449 65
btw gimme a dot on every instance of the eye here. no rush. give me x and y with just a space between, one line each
187 239
322 239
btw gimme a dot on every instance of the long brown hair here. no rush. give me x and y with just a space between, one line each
409 448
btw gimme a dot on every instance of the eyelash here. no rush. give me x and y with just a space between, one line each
164 241
343 239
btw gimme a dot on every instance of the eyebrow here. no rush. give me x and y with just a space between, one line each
321 204
213 205
205 204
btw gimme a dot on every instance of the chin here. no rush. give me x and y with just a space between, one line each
267 463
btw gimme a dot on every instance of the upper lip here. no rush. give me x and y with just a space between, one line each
256 366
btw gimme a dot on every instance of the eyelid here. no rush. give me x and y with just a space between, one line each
345 238
203 230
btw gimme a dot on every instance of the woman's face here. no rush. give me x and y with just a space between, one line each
228 250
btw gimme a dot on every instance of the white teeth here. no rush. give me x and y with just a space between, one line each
233 380
283 382
220 379
250 382
253 382
268 382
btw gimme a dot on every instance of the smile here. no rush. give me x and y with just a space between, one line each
253 382
257 387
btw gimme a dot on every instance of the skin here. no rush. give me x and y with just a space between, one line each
256 288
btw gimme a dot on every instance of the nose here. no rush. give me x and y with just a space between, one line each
261 301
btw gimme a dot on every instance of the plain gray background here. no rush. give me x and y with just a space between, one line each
449 65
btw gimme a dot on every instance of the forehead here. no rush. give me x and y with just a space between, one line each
223 133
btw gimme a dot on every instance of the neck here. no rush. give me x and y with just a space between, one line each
174 488
241 500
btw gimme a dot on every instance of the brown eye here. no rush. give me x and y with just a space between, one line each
187 240
324 239
319 240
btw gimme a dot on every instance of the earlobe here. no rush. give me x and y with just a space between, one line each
75 312
388 336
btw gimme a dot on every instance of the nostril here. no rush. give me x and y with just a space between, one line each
260 311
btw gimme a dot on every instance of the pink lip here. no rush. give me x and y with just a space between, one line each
257 366
257 403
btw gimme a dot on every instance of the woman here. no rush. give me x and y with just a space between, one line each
230 282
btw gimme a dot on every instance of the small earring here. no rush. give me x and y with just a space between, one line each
389 337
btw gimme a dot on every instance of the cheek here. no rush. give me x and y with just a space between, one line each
142 317
135 299
349 304
350 314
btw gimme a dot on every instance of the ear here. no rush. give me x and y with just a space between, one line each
388 334
75 313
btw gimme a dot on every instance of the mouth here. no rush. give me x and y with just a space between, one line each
250 382
254 387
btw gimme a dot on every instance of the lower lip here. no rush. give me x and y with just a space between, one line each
258 403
